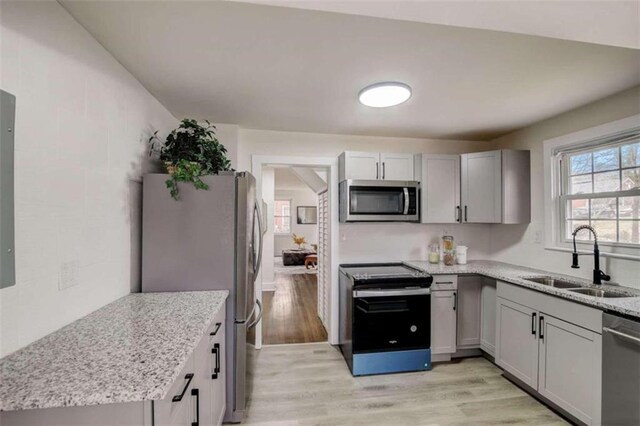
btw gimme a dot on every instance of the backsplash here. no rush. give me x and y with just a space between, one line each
384 242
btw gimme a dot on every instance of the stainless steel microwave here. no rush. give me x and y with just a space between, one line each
379 201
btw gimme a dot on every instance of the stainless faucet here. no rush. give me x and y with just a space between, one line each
598 275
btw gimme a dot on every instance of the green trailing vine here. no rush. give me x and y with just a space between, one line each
190 152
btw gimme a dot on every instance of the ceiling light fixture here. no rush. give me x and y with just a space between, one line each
386 94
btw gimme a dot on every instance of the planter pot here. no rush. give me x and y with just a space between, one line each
171 168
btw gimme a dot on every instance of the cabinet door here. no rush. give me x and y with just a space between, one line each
218 373
181 410
443 322
570 368
362 165
469 288
488 316
209 373
396 166
440 184
482 187
517 341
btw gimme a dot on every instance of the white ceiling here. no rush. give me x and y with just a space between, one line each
266 67
608 22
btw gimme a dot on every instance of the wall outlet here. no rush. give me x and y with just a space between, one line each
537 237
69 275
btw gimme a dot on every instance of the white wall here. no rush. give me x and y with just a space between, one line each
298 197
517 243
80 143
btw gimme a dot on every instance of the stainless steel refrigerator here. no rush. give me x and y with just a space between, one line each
209 240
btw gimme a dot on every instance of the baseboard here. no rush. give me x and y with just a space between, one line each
271 286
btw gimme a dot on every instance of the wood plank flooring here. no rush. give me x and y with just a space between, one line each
311 385
290 312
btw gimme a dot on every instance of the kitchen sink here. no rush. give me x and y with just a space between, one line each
597 292
553 282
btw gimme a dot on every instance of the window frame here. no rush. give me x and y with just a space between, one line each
290 201
557 180
564 195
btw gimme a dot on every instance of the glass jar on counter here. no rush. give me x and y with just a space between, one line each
448 251
434 253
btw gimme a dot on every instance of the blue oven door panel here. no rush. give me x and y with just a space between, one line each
391 362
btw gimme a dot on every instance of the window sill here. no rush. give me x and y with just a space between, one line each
602 253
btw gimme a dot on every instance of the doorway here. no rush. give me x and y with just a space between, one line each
297 298
293 308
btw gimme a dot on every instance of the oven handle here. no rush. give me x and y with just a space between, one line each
406 200
390 293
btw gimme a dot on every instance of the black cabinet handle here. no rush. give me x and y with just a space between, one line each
458 214
465 214
377 171
383 170
533 323
196 393
188 378
455 300
216 354
541 328
214 332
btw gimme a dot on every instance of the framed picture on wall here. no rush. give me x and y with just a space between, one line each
307 215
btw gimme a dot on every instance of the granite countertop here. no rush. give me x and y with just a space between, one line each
515 275
131 350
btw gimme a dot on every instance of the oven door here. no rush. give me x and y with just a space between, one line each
391 320
379 201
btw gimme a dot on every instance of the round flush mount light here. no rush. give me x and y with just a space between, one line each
386 94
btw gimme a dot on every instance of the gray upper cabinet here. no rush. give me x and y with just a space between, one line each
396 166
495 187
359 165
481 187
440 184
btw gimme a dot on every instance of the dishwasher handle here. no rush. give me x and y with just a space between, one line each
621 334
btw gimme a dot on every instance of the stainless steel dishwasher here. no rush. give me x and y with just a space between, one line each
620 371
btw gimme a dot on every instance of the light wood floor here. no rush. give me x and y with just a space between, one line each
311 385
290 313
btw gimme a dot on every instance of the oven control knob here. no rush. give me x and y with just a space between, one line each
413 328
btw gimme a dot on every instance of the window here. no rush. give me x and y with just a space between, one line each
600 186
282 217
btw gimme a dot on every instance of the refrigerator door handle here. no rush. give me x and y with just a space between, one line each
258 213
253 324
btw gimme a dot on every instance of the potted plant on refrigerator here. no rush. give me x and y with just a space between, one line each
190 152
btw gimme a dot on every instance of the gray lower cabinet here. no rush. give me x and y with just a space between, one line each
443 322
569 368
488 316
517 341
197 397
469 289
554 347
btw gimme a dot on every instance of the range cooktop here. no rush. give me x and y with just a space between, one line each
377 271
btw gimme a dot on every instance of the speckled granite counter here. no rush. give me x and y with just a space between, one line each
516 274
131 350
